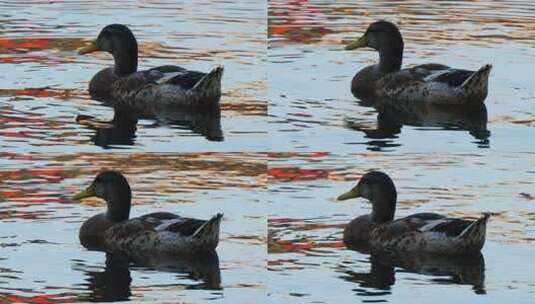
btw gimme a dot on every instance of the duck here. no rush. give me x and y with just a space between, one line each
163 86
427 83
159 233
427 233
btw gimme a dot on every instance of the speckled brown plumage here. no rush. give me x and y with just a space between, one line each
427 83
168 86
160 232
421 232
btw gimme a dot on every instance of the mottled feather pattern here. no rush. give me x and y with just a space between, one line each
163 232
429 83
443 235
439 85
166 86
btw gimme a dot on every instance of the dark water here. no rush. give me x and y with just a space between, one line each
310 104
43 81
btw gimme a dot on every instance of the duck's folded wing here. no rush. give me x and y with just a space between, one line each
182 226
154 222
163 221
186 79
451 227
412 223
433 72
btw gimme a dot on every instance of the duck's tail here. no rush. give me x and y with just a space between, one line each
208 233
211 82
475 232
476 86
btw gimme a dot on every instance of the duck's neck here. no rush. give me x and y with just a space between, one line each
390 57
118 207
126 59
384 207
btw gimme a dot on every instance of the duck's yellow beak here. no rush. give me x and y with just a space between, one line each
89 49
361 42
89 192
353 193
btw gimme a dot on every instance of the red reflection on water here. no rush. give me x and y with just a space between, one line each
41 299
290 22
280 246
24 43
296 174
50 175
39 92
300 244
16 59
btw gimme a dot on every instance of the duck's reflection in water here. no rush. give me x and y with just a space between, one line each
113 284
462 270
121 130
392 116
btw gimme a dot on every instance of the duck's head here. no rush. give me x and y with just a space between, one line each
118 40
384 37
112 187
378 188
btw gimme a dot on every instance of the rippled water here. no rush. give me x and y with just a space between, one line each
279 207
43 81
310 104
42 260
309 263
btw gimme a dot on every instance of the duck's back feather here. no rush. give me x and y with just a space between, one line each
450 226
440 73
427 74
163 232
157 222
429 83
170 86
430 233
185 79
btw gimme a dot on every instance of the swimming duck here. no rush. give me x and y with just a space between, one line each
164 85
160 232
429 83
421 232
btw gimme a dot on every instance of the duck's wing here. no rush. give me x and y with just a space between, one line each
412 223
169 74
450 227
431 223
155 222
433 72
164 221
429 233
176 75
